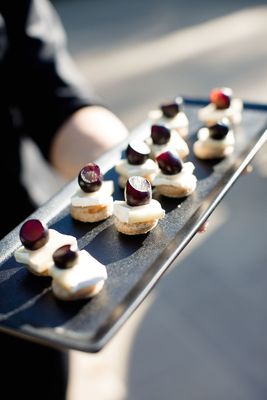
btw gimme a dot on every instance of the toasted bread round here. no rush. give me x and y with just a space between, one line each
137 228
205 152
91 213
175 192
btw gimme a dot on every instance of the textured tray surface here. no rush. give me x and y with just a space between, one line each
27 305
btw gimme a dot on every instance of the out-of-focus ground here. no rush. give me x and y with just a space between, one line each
201 333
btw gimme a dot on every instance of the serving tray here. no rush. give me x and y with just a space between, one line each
135 264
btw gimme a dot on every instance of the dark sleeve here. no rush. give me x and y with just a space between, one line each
46 85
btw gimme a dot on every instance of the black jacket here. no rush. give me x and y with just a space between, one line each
40 88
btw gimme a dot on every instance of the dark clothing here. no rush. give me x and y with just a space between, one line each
32 372
40 88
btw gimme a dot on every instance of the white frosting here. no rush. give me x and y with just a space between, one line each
129 214
86 272
176 143
41 259
100 197
184 178
179 121
210 113
127 170
204 137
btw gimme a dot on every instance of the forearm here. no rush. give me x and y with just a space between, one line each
85 136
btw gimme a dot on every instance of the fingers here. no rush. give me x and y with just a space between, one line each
203 227
247 170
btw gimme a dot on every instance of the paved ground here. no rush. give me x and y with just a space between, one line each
201 334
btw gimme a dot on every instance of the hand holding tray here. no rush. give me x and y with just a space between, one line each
134 264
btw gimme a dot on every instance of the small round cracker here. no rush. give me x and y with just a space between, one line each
137 228
91 213
175 192
204 152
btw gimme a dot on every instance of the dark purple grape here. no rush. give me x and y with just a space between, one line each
169 162
171 109
160 134
64 257
138 191
137 152
90 178
218 131
33 234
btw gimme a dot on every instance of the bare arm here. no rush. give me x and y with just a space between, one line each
86 135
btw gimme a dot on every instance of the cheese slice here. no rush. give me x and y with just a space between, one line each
99 197
129 214
85 273
42 259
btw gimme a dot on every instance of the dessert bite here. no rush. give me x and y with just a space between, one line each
175 178
93 201
38 246
76 274
216 141
163 138
137 162
222 105
139 213
171 114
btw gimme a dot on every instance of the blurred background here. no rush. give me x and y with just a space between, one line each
201 333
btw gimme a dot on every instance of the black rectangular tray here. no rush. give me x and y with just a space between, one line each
135 264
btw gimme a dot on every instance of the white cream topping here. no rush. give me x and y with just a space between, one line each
176 142
100 197
204 138
211 113
129 214
179 121
127 170
183 179
41 259
86 272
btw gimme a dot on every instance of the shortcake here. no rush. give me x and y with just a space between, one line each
175 178
76 274
162 138
136 162
38 245
93 200
139 213
222 105
171 114
216 141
